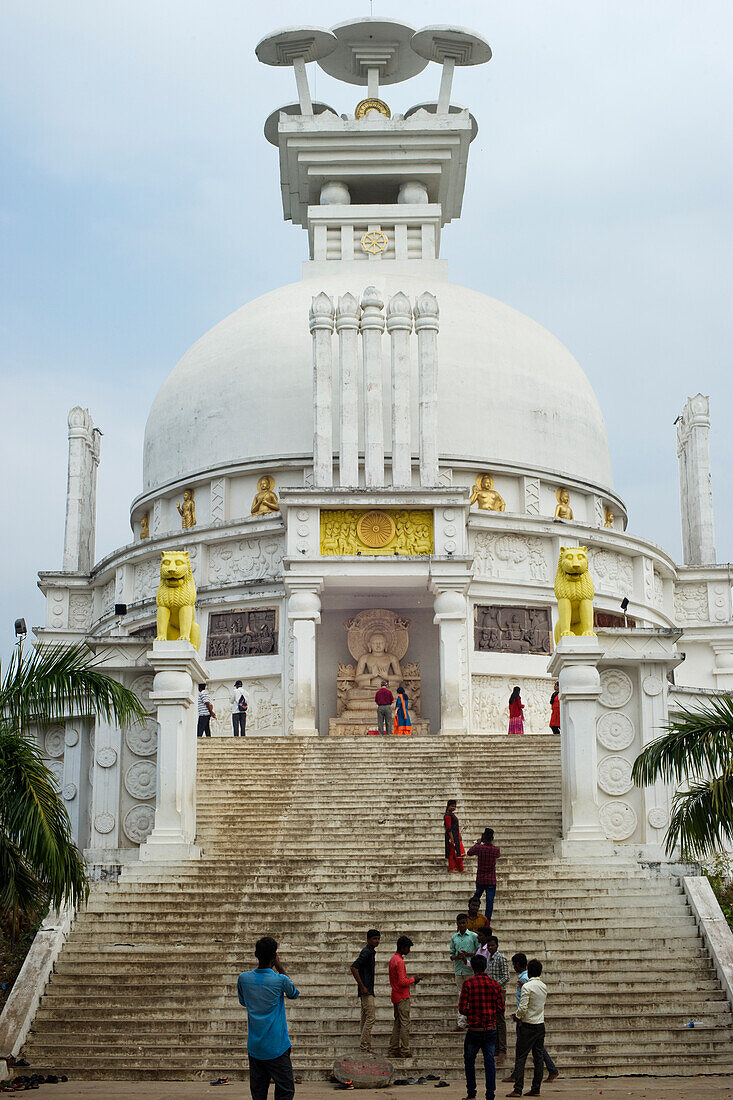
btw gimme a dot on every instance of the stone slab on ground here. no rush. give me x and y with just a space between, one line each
613 1088
364 1073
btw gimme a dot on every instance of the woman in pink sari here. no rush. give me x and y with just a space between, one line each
516 706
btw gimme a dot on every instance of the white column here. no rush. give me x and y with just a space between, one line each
73 787
399 326
178 672
446 81
105 823
301 81
372 327
696 494
321 327
575 664
450 615
426 326
304 613
347 327
81 492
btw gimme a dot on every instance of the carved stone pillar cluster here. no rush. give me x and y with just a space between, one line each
449 607
304 614
81 492
368 317
696 494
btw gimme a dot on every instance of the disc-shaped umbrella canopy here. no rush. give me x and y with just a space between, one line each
283 47
382 44
441 43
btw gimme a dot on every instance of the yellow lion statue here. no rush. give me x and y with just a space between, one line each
176 600
574 593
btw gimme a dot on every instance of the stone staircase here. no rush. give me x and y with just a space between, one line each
315 840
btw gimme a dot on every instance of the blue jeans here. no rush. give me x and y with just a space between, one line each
490 892
485 1042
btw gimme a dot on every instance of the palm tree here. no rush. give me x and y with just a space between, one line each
696 753
40 865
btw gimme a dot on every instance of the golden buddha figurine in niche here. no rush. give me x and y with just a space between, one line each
187 510
145 525
376 665
563 510
484 494
607 517
265 500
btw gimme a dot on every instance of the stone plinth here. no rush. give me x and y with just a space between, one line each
178 671
356 726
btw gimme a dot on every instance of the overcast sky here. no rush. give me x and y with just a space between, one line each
140 204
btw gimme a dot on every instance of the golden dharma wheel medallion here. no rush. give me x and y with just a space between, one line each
375 241
367 105
375 529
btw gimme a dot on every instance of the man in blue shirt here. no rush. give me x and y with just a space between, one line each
262 992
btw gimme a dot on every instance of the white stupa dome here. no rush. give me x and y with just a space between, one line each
508 391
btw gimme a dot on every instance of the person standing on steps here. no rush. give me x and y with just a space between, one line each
454 850
399 1043
497 968
519 963
402 720
530 1017
516 708
239 709
384 699
206 712
555 708
482 999
486 854
262 992
476 919
363 970
463 946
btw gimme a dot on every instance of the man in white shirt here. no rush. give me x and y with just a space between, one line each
239 716
206 712
530 1017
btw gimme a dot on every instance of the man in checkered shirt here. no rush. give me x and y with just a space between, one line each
482 999
497 968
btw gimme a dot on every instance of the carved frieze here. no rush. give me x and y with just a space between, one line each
499 629
612 573
248 633
691 603
80 611
147 579
491 702
516 557
246 560
346 532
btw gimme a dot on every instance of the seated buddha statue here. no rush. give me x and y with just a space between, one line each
265 500
485 495
376 665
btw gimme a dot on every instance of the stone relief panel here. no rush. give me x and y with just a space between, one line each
491 703
107 598
146 579
532 496
616 687
615 730
264 705
691 603
246 633
246 560
612 573
618 819
80 611
218 498
614 775
514 557
658 598
137 824
501 629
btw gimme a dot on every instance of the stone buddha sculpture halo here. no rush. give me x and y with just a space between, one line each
484 494
563 509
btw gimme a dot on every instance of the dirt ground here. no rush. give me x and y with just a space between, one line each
615 1088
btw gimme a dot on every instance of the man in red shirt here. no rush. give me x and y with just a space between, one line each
399 1044
481 999
384 700
487 854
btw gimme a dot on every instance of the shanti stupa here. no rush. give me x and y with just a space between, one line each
446 432
415 455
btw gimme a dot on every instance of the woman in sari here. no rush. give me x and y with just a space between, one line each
516 706
402 720
454 850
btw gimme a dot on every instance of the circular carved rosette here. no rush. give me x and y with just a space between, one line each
107 756
104 823
614 775
141 779
615 731
618 820
652 685
71 738
56 768
657 818
54 741
69 792
143 740
616 687
138 823
375 529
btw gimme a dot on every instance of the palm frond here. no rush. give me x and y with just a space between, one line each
19 887
697 742
702 818
34 818
53 681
